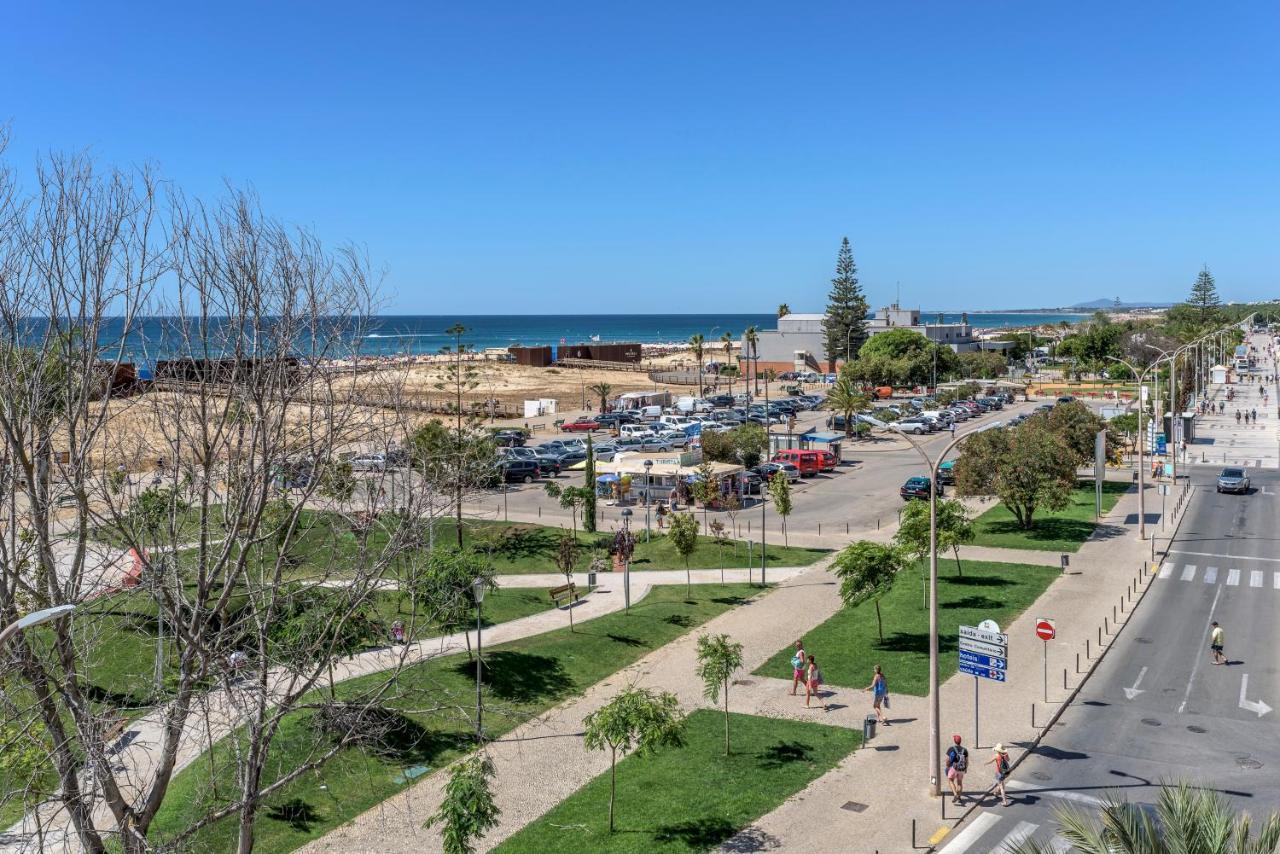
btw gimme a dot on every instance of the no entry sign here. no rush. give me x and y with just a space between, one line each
1045 630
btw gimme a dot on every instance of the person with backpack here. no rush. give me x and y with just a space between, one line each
880 692
957 765
1001 761
797 667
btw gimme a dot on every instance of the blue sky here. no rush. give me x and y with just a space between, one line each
544 158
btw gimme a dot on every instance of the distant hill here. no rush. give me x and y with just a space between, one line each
1104 304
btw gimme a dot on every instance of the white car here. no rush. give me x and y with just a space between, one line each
368 462
674 438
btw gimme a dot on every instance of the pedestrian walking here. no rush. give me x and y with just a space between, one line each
1216 643
813 684
798 662
879 689
397 632
1254 413
1001 761
957 765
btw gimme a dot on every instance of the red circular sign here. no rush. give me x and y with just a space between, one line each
1045 630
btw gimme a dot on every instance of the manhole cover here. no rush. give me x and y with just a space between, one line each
853 806
1151 722
1248 762
1194 728
1142 640
1040 775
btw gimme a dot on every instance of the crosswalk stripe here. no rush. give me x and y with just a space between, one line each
1189 572
1255 578
1275 580
965 839
1233 578
1021 833
1210 575
1166 570
1065 794
1059 845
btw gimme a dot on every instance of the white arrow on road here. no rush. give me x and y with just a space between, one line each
1130 693
1260 707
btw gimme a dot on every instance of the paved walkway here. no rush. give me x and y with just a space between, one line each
1221 440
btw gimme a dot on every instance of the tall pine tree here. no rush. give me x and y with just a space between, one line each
846 321
1204 295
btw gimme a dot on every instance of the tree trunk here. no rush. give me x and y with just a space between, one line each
726 717
688 581
785 542
613 783
879 622
955 550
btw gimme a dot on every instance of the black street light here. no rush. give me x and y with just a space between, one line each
478 590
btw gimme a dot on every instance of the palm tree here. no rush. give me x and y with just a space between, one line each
1187 819
752 338
695 344
727 340
846 398
602 391
769 376
784 310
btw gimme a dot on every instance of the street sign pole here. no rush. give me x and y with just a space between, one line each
975 713
1046 671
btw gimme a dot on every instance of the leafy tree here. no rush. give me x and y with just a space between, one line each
847 398
443 587
983 364
720 535
954 526
783 310
602 391
453 460
637 718
745 443
1078 425
319 625
718 659
706 488
572 498
468 809
697 344
566 557
1204 296
337 481
684 536
1188 819
589 484
845 325
1028 469
866 571
904 357
780 492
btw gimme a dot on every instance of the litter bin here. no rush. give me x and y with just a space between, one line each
868 728
591 579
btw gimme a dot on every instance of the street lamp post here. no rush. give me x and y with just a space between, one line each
478 591
1141 375
648 500
626 562
35 618
935 745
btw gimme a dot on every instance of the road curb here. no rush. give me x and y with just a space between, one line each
1088 674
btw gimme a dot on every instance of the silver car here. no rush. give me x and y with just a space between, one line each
1233 480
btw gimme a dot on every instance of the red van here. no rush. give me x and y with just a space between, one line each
829 460
809 462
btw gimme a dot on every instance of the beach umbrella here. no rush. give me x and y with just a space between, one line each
607 478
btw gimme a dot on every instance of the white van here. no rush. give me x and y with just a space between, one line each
689 403
651 413
636 431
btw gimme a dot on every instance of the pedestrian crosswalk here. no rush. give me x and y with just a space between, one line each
1003 832
1235 577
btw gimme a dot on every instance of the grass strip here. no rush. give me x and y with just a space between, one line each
1052 530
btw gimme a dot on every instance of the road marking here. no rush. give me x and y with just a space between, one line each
1065 794
1195 668
1059 845
1275 580
1135 690
1022 831
1189 572
1233 578
1255 578
1166 570
1260 707
1228 557
1210 575
965 839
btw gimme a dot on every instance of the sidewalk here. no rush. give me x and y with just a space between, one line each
891 778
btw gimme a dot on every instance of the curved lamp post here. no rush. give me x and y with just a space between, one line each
935 744
478 591
35 618
1141 375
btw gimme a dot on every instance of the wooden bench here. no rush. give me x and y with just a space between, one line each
564 592
114 730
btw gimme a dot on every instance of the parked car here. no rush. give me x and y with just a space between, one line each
720 400
769 470
946 472
613 419
368 462
1233 480
916 488
750 483
807 462
548 465
509 438
916 426
674 438
1067 398
829 461
519 471
582 425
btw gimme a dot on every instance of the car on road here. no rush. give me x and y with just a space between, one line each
916 426
916 488
582 425
368 462
946 472
1233 480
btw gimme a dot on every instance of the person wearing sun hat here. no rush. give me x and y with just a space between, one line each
1000 759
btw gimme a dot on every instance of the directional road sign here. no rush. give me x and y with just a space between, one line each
997 650
982 672
975 633
989 661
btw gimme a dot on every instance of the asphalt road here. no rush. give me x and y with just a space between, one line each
1157 709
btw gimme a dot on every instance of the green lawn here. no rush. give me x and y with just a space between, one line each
691 798
429 720
847 646
1053 531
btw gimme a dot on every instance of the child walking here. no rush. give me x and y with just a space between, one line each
879 689
813 683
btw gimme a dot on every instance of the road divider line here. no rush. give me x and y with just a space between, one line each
1225 557
1065 794
1200 650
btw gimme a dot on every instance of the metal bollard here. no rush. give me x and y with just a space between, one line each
819 529
1077 662
1105 627
1086 649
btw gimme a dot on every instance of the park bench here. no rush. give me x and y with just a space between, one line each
564 592
114 729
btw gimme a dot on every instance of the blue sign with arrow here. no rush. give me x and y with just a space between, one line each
991 673
979 660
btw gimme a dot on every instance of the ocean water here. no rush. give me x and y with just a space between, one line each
152 338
